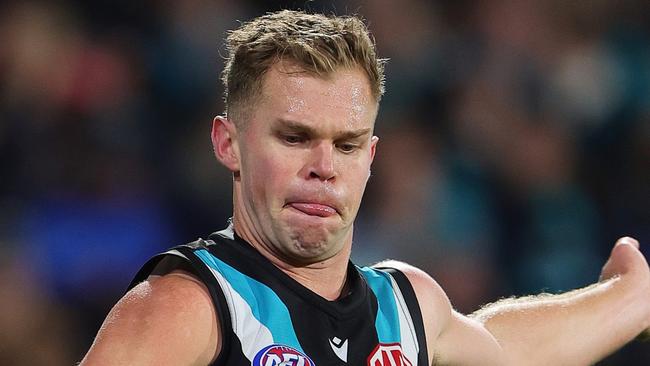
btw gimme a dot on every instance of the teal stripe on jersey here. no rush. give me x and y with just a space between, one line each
387 322
266 306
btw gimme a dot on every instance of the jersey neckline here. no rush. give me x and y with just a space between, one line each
342 307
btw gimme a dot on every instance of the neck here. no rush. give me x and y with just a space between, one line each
327 277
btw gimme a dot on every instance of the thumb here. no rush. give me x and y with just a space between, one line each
626 240
621 259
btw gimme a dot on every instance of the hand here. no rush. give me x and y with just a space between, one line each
627 260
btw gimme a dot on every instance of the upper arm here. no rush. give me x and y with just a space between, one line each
165 320
465 341
452 338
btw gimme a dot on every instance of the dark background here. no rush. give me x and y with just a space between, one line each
515 148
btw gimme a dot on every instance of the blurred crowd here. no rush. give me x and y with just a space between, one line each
514 148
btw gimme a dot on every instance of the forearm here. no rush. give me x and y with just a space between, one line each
575 328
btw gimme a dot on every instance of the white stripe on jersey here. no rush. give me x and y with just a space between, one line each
409 340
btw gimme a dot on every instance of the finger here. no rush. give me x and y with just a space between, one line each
626 240
622 256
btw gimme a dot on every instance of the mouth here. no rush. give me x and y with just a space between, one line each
314 209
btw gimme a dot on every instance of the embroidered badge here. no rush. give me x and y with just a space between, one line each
279 355
388 354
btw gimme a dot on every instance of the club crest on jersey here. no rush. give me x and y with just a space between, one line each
388 354
279 355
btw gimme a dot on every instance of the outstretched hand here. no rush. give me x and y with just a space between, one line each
627 260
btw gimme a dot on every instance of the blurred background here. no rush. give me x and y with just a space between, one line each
515 148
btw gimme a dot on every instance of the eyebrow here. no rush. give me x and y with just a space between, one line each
299 127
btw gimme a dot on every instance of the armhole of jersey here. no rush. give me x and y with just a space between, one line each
183 258
414 308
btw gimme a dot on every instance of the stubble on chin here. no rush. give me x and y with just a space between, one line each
309 241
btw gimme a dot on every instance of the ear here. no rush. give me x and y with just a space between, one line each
373 147
224 142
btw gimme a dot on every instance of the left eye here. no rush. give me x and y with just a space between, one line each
347 147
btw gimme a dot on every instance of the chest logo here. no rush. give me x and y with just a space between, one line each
388 354
279 355
340 348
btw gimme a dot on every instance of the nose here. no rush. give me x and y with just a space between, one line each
321 162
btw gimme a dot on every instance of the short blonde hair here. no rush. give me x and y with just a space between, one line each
317 43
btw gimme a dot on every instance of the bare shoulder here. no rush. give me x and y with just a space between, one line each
434 303
449 334
164 320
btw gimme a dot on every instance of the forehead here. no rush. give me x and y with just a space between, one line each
289 92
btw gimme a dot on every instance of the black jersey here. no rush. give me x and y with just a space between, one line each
269 319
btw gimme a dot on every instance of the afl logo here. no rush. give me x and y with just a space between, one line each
279 355
388 354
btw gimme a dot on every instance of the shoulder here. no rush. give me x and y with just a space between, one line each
452 338
434 304
172 315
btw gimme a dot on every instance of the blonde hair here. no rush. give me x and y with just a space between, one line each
319 44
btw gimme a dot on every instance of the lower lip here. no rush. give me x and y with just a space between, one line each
314 209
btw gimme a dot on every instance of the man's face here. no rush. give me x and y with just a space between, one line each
305 156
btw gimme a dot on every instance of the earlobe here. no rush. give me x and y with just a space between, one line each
224 143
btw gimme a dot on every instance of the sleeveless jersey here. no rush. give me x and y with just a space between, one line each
269 319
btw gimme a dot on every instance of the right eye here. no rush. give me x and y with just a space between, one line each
293 139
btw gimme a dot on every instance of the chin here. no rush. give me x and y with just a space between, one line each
310 240
311 244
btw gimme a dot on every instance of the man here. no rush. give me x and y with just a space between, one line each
277 286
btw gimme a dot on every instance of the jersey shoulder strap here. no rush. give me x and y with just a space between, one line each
406 292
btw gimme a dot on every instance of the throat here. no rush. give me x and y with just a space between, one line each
327 282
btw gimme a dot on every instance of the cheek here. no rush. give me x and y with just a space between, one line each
360 186
358 177
270 176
